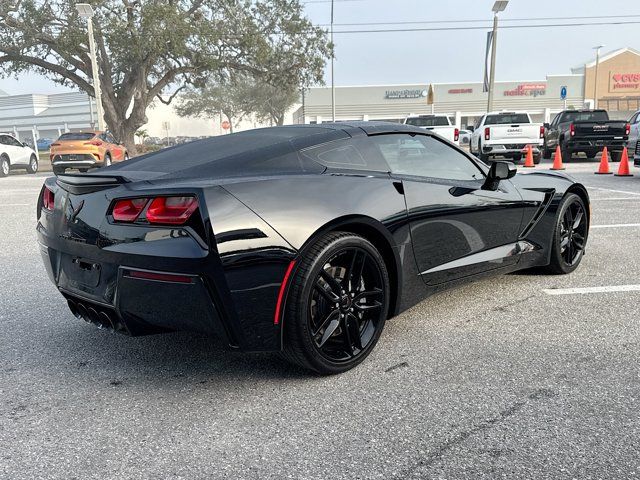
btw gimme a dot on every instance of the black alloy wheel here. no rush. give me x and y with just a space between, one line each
570 236
337 305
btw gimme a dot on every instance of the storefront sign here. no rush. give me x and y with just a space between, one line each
527 90
398 94
457 91
624 81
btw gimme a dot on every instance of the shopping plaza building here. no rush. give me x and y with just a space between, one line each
616 88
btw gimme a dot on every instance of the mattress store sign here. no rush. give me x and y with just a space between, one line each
399 94
624 81
527 90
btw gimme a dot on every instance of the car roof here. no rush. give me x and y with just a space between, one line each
258 151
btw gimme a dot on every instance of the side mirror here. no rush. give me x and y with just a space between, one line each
24 144
499 171
471 128
546 125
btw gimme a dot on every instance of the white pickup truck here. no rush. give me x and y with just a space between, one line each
506 134
439 124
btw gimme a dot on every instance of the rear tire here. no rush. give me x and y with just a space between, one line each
564 259
107 160
566 153
591 154
484 158
33 164
5 166
333 320
546 153
59 170
616 156
537 159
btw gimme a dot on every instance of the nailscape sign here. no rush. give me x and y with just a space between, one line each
527 90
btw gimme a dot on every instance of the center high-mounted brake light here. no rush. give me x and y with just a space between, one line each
541 131
456 135
48 198
572 129
159 210
627 129
487 133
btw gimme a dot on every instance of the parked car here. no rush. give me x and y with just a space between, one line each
506 134
301 239
586 131
84 150
14 155
439 124
633 143
44 143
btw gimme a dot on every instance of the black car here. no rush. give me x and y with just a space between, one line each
299 239
586 131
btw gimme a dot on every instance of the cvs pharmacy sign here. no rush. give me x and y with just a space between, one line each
624 81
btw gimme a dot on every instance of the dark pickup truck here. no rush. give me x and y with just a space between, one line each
587 131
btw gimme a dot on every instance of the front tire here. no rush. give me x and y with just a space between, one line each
107 160
33 164
569 236
337 304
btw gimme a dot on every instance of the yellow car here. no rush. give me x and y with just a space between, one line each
85 150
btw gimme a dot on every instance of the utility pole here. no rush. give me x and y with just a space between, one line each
86 11
333 84
499 6
595 80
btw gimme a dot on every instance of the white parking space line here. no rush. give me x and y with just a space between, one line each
617 225
586 290
615 191
596 199
16 204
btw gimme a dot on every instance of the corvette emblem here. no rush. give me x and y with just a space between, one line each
72 212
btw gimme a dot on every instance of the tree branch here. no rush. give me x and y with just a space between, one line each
173 95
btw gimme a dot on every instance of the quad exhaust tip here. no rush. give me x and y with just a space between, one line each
101 318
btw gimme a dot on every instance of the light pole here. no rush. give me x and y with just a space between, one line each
333 84
595 80
86 11
499 6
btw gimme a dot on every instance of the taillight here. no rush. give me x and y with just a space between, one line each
171 210
456 135
572 129
95 143
487 133
541 131
54 145
48 198
627 129
160 210
129 209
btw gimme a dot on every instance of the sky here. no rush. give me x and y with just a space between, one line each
449 56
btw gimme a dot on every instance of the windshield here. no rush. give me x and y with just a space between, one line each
507 118
597 116
428 121
76 136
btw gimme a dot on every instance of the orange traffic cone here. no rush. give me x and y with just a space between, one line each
623 169
557 160
603 169
528 162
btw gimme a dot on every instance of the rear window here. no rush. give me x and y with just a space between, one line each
507 119
428 121
76 136
600 116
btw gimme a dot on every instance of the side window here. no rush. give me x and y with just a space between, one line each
348 154
478 123
12 141
3 140
634 119
425 156
110 138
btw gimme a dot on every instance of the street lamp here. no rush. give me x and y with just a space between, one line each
499 6
595 80
86 11
333 84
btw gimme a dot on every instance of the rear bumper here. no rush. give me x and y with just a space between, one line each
75 161
509 149
113 297
580 145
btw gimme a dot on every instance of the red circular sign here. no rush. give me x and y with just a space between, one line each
226 125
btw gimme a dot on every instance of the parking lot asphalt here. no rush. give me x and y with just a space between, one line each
494 379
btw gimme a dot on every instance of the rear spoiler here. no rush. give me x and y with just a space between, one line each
82 183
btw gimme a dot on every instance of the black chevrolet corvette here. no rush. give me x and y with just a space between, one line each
299 239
